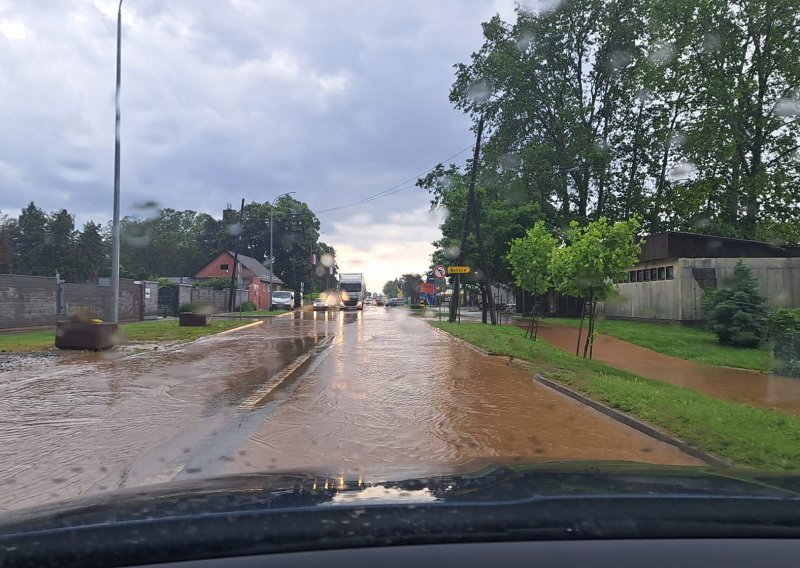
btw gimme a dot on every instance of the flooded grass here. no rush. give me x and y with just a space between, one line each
690 343
745 435
160 330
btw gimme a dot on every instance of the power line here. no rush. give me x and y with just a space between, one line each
394 189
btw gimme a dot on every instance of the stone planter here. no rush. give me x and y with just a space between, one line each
191 319
84 335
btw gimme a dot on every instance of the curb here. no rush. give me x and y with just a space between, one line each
632 422
287 373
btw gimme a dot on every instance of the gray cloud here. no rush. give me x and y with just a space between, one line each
223 100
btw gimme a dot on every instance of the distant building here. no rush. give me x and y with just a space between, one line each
675 269
254 276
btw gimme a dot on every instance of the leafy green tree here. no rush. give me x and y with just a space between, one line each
737 315
91 253
595 257
784 330
28 242
529 257
59 246
7 225
391 287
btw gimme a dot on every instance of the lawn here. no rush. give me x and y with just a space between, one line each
691 343
159 330
746 436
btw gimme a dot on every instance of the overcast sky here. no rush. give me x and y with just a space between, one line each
231 99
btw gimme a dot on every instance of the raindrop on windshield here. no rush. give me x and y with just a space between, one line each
510 162
524 42
233 229
326 260
479 91
146 210
451 252
712 42
619 60
787 107
662 54
682 171
534 7
677 140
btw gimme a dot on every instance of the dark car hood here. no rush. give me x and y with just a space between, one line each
492 485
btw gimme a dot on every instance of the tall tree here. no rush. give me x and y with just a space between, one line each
28 241
59 246
91 253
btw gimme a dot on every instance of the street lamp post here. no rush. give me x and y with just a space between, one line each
271 259
115 223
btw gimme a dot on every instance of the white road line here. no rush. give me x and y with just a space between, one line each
276 380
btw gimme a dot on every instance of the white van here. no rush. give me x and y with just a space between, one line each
282 299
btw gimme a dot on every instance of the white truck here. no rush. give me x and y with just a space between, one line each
352 289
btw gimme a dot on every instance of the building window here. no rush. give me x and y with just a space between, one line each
654 274
662 273
632 275
669 273
639 276
223 267
646 274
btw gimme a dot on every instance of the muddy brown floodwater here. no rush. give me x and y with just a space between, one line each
388 398
395 398
738 385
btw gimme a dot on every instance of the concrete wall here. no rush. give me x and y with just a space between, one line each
27 301
218 299
680 299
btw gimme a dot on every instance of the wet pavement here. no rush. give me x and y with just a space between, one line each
739 385
388 397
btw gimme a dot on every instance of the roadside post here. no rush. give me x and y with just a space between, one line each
438 276
458 271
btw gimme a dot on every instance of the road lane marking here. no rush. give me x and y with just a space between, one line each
276 380
241 327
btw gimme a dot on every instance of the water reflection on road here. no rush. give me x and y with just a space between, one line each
390 397
396 398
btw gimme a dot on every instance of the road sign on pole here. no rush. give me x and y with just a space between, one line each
458 269
440 271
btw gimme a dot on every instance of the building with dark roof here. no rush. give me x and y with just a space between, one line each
254 275
675 269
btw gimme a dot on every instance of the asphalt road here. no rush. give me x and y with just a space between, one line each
375 395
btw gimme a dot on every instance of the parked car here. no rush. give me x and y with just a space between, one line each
282 299
396 302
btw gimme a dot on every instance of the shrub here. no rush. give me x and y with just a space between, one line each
784 329
249 307
187 307
737 316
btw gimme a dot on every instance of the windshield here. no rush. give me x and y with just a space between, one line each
575 222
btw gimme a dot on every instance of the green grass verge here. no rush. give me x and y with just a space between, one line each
745 435
691 343
160 330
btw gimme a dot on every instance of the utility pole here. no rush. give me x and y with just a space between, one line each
455 298
115 222
235 259
488 285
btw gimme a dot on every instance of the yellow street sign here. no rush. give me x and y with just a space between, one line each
458 269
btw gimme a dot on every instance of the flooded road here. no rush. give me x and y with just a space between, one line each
387 397
738 385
